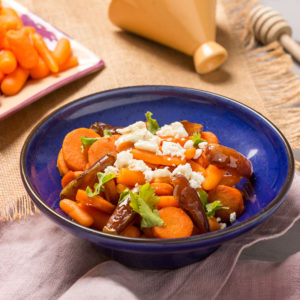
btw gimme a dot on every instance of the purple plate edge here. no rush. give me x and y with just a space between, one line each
98 66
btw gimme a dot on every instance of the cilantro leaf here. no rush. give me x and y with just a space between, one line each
107 133
143 203
152 124
86 141
211 208
102 179
123 195
203 197
197 139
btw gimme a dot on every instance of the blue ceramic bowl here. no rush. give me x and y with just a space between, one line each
236 126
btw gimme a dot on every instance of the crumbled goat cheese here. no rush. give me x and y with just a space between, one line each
202 145
146 145
195 178
173 149
122 159
111 170
218 220
188 144
132 128
232 217
161 173
175 129
198 153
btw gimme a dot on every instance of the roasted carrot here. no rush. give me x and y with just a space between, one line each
196 167
130 177
120 188
41 70
162 189
8 62
150 157
71 62
69 177
213 224
202 161
96 202
190 153
62 51
213 176
166 201
161 180
177 224
61 164
131 231
100 218
230 179
78 214
24 51
75 158
231 198
209 137
148 232
125 146
14 82
191 128
105 145
44 52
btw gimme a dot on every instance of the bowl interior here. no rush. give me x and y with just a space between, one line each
235 125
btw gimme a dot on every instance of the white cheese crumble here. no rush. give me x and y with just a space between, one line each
111 170
232 217
218 220
202 145
161 173
188 144
132 128
198 153
223 225
195 178
175 129
173 149
146 145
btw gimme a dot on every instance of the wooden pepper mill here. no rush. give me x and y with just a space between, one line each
269 26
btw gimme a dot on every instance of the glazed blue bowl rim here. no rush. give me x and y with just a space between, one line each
207 237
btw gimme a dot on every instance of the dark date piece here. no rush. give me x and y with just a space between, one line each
99 127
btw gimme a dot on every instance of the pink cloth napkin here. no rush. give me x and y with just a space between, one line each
41 261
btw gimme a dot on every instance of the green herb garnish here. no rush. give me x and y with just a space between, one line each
152 124
144 203
197 139
203 197
102 179
86 141
123 195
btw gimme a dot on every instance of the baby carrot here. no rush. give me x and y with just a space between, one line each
62 51
8 62
44 52
213 177
24 51
190 153
96 202
166 201
61 164
209 137
41 70
162 189
131 231
69 177
177 224
10 22
7 11
130 177
71 62
13 82
213 224
73 210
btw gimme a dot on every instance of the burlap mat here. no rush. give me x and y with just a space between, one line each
260 78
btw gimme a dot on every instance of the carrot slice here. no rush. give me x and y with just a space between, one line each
162 189
152 158
196 167
75 158
161 180
202 161
166 201
213 224
177 224
125 146
96 202
105 145
130 177
61 164
131 231
73 210
209 137
213 177
190 153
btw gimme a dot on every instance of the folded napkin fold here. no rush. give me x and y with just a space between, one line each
41 261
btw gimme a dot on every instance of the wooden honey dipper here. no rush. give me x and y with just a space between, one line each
269 26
